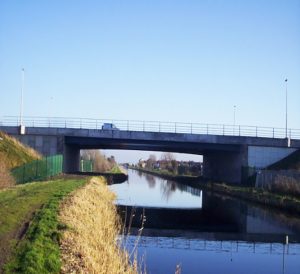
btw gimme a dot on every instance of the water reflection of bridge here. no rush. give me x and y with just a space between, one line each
215 246
194 191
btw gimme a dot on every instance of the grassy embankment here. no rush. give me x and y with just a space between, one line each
81 240
89 243
13 154
31 209
30 231
16 153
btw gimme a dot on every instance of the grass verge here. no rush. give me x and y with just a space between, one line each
88 245
38 251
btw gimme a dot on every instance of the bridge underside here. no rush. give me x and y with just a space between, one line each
221 162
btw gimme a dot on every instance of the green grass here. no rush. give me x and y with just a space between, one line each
38 251
115 169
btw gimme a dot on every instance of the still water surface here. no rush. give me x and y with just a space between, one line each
203 232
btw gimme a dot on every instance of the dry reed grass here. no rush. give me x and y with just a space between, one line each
89 244
286 185
6 180
15 152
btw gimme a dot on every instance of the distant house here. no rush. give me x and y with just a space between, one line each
156 165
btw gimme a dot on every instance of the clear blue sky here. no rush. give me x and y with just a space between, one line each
188 61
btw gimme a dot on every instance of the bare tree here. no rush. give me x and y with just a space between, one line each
151 161
168 157
168 162
100 163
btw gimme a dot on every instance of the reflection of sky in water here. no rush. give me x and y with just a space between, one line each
147 190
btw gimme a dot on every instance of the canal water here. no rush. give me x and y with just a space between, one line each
173 226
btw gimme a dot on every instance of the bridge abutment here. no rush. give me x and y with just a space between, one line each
71 159
224 165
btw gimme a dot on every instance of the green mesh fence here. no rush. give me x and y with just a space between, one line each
39 169
86 166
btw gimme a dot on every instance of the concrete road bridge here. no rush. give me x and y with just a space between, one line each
227 149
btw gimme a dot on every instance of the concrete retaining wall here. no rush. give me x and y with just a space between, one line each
261 156
46 145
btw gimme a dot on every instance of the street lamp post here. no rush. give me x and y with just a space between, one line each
234 108
286 109
22 94
22 127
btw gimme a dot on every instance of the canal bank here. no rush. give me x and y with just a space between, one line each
88 243
275 200
168 176
65 225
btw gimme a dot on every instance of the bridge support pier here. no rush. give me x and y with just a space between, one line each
224 165
71 159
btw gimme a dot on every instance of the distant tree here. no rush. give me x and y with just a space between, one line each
112 160
100 163
167 156
151 161
168 162
174 166
182 169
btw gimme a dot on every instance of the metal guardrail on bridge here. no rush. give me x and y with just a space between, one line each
153 126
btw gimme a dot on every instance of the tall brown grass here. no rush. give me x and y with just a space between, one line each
89 244
14 153
6 180
286 185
